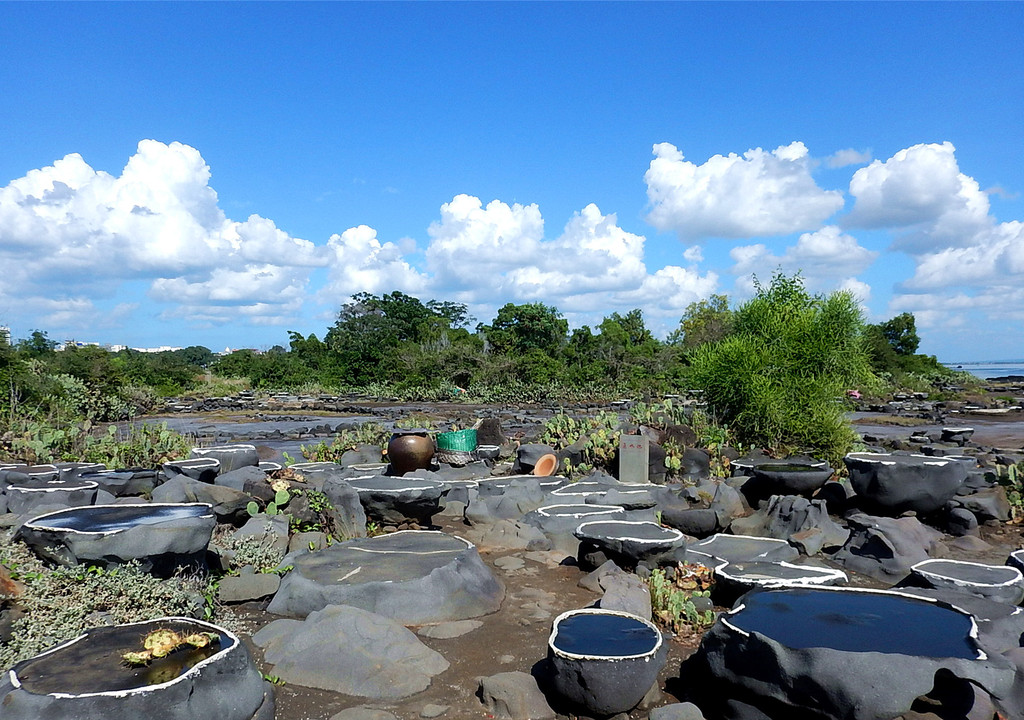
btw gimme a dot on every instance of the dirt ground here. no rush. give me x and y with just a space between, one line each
514 638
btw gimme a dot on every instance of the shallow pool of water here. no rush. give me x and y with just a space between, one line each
857 622
604 635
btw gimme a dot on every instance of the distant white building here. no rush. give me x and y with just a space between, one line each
162 348
5 335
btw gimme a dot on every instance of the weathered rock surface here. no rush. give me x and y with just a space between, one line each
886 548
514 696
348 650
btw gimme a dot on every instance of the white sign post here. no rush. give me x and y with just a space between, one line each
634 457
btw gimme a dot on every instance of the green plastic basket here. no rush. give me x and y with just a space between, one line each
460 440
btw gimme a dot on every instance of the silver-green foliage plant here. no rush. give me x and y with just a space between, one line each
62 603
260 552
775 379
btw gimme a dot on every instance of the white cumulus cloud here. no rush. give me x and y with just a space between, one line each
487 254
760 193
919 186
843 158
827 259
75 233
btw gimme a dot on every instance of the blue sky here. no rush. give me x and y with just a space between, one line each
219 174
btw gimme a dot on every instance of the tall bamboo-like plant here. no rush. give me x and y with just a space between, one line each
776 379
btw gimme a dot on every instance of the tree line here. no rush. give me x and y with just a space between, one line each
772 366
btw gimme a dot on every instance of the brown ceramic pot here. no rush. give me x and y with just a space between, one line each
410 452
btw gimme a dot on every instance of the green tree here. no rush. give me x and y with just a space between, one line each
36 345
377 337
901 334
703 322
521 328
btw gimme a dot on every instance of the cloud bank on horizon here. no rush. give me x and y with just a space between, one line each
74 239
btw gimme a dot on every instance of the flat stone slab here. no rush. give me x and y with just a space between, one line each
113 534
348 650
454 629
413 576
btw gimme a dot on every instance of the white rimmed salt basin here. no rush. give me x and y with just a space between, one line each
735 579
218 681
498 485
629 542
393 500
230 457
39 492
413 576
604 661
745 548
161 533
839 652
582 489
893 484
1002 583
203 469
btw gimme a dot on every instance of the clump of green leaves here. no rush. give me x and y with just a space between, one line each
658 414
369 433
281 498
322 510
672 600
1011 477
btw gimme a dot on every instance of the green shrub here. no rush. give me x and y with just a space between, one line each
778 379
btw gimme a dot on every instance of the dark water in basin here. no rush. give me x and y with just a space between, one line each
789 468
110 519
604 635
857 622
96 660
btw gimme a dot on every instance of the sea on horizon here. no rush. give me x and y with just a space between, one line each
986 370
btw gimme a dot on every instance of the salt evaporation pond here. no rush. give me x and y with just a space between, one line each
594 634
851 621
112 518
